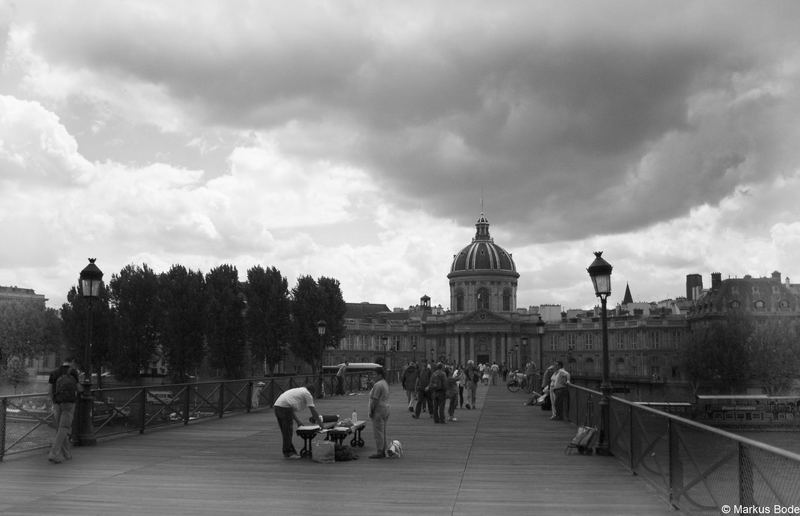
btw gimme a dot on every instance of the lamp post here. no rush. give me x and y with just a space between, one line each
414 353
516 356
91 281
433 354
321 327
540 324
600 272
385 341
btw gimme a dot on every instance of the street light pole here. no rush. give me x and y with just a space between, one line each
385 341
540 324
600 272
414 353
91 282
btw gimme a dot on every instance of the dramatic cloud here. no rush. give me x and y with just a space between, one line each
355 140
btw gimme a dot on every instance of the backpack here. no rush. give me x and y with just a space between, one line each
66 389
476 376
436 382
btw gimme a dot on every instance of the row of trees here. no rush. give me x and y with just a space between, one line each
739 350
239 327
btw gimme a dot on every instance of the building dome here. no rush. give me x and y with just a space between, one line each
483 254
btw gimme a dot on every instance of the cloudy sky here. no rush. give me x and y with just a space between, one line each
355 139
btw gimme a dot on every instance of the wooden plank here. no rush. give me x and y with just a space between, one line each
502 458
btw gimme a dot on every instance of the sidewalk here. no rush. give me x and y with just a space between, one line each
504 458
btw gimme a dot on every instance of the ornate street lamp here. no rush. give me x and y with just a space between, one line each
321 327
91 282
600 272
540 325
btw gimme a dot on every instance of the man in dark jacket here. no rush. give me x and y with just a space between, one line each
423 396
438 391
63 412
410 384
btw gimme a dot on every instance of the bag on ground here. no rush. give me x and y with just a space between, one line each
66 389
324 452
584 440
395 449
344 453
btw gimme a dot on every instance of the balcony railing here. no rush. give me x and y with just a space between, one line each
698 468
26 421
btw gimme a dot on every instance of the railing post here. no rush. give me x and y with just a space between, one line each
675 488
186 403
3 428
249 398
630 437
745 478
143 411
221 398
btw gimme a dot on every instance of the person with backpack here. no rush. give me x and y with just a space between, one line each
64 393
438 391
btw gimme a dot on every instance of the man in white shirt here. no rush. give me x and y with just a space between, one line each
286 408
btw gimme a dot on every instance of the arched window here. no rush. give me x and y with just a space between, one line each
459 301
506 300
483 299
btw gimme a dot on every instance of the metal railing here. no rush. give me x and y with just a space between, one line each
699 469
26 421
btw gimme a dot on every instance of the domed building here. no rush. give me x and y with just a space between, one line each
482 324
483 275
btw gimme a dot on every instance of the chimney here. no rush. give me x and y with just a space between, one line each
776 276
694 285
716 280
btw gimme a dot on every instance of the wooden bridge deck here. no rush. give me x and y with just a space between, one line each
504 458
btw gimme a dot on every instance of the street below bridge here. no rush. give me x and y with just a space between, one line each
503 458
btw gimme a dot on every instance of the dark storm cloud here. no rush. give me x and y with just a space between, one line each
574 118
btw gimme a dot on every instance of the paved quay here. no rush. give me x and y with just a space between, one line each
504 458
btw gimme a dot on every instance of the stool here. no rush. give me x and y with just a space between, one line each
357 427
307 433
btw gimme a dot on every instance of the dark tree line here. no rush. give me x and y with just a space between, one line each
739 350
194 320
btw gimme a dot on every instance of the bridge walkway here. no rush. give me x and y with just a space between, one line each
503 458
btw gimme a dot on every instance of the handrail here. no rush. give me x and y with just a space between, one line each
26 420
699 426
697 467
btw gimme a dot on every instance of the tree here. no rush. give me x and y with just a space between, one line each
267 316
16 372
225 322
313 301
717 355
21 330
134 304
183 315
774 353
306 312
